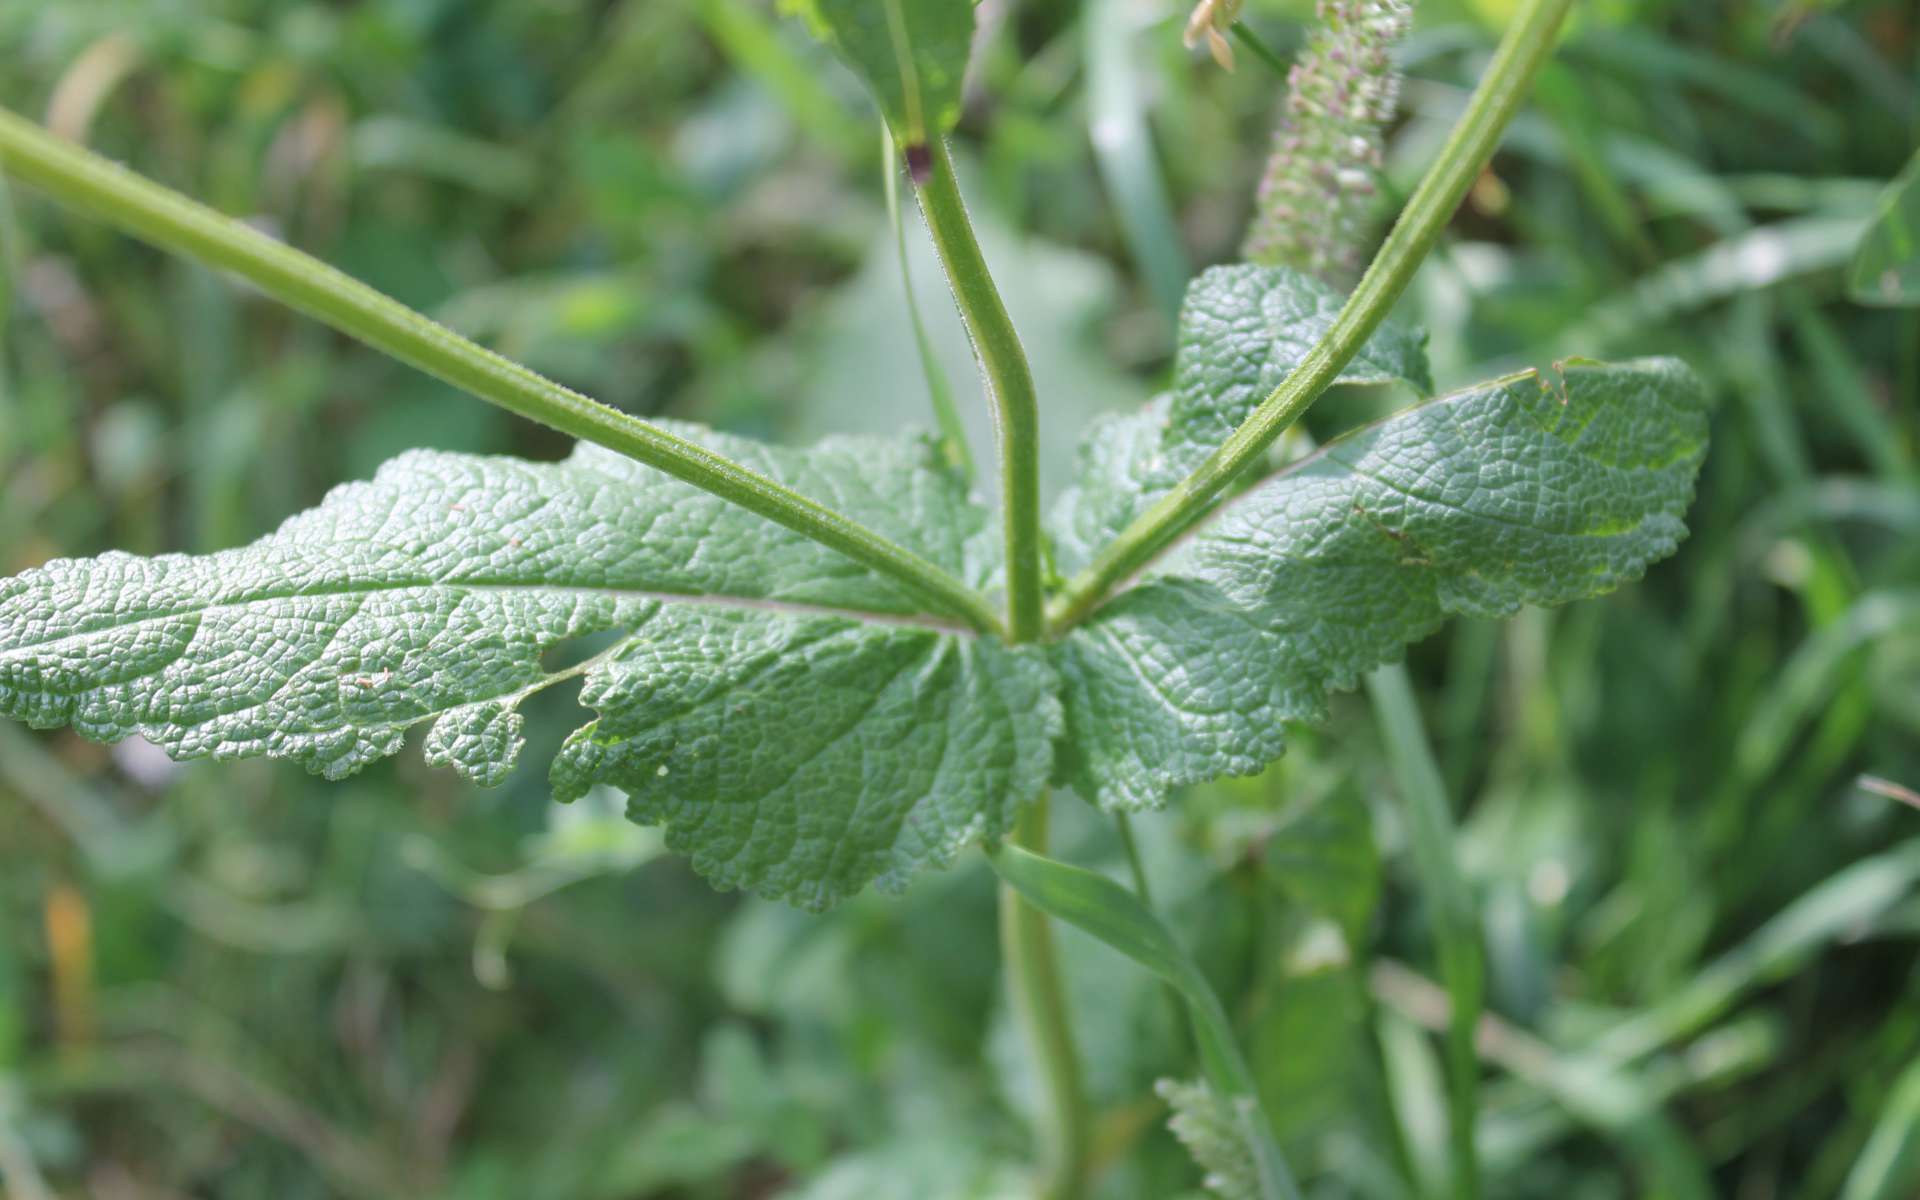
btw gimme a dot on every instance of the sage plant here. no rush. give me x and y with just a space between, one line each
832 667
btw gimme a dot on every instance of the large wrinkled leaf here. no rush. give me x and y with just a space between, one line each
1243 330
911 53
802 758
1525 490
431 594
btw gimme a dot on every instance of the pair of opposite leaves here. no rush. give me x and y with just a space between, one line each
803 727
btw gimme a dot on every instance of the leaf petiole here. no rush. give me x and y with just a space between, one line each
1522 51
80 178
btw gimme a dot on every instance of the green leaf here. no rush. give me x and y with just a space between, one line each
1321 856
924 1167
432 593
911 53
1526 490
1889 1164
1103 908
1886 268
1243 329
803 758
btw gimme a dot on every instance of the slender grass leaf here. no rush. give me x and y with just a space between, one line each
1886 268
1113 914
1889 1167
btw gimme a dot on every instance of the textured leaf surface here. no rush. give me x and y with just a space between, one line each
1243 329
803 757
911 53
431 594
1521 491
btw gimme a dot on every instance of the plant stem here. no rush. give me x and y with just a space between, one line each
77 177
1027 949
1524 49
1136 868
1016 414
1456 923
1038 995
1261 50
1103 908
939 391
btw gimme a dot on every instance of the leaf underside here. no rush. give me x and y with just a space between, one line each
1526 490
1243 330
800 725
797 723
912 54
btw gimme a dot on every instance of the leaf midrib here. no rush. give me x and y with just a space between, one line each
925 621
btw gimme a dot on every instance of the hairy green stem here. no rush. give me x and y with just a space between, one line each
1261 50
171 221
1032 965
1003 362
1522 52
1037 992
1456 923
939 392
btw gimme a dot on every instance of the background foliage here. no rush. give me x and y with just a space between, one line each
237 981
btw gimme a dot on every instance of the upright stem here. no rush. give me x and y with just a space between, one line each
1026 938
1040 1004
1456 923
78 177
939 392
1523 50
1016 412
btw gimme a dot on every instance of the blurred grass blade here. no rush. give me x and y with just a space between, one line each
953 433
1661 61
1808 679
1846 391
1569 105
1123 148
1889 1167
430 151
1756 259
1430 834
1268 56
1625 1106
1416 1098
751 39
1894 506
1886 268
1110 912
1845 904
